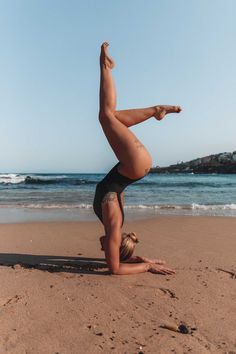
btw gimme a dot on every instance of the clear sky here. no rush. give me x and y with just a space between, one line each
166 52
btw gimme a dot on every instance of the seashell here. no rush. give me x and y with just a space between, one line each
171 327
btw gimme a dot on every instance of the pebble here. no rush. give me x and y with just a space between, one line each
183 329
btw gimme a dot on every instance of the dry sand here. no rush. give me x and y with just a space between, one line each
56 295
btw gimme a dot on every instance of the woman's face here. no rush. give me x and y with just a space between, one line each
103 242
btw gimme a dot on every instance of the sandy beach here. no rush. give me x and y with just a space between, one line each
57 297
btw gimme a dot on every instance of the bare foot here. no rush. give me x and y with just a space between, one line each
161 111
105 59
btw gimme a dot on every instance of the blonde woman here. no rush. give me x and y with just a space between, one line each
134 163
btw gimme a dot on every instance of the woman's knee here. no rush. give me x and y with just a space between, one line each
106 114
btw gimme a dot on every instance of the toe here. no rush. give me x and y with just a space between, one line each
178 109
175 109
104 45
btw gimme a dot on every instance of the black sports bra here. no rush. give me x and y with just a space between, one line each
112 182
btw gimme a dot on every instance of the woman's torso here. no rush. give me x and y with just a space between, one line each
112 182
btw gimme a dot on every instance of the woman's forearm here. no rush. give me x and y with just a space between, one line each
134 259
138 259
126 268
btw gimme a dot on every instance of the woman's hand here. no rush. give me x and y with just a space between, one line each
153 261
159 269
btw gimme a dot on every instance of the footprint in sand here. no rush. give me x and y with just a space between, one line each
168 292
230 272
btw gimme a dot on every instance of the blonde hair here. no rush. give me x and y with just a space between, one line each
127 246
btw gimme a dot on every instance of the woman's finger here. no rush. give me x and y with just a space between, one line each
159 261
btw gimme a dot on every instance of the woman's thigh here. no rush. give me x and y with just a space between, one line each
135 160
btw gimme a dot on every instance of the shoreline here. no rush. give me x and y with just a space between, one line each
130 220
24 215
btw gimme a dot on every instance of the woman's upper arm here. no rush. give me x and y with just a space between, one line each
112 222
112 251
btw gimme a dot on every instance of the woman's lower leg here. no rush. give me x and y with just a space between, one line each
107 94
131 117
135 116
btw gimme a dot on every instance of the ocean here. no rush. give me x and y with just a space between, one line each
32 197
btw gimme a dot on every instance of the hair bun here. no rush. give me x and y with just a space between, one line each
133 237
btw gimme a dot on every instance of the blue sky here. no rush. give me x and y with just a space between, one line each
166 52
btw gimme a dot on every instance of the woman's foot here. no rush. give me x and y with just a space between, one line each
161 111
105 59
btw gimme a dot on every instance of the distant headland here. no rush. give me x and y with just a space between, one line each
224 162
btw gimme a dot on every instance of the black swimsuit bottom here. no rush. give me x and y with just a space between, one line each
112 182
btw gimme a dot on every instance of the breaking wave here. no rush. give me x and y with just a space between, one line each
134 206
11 179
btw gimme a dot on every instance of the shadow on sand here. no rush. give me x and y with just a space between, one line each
81 265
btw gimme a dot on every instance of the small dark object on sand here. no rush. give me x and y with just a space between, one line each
183 329
173 327
99 334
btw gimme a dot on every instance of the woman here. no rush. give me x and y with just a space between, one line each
134 163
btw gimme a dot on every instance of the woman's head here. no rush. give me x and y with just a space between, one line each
128 242
127 245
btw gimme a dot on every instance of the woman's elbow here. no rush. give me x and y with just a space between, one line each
114 270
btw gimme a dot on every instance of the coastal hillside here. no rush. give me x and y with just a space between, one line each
219 163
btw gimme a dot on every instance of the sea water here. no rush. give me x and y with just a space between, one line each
26 197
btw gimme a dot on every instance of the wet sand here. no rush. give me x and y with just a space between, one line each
56 295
